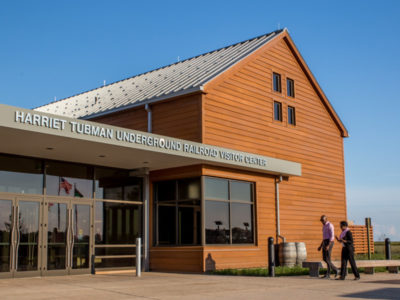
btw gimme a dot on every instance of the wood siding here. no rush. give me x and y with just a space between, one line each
360 237
238 114
179 118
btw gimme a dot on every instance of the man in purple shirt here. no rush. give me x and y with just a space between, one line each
328 236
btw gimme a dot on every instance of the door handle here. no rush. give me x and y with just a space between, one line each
17 237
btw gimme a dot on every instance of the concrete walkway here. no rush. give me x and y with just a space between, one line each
194 286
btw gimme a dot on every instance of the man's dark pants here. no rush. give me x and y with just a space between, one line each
326 255
348 255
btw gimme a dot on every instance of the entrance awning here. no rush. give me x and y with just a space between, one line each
31 133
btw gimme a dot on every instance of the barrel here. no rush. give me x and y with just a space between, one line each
287 254
301 253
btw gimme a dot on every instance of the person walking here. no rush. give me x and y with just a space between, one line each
346 238
328 237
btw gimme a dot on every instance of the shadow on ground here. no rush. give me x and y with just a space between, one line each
386 294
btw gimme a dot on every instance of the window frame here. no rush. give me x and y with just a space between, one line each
252 203
291 121
279 82
280 111
175 204
289 80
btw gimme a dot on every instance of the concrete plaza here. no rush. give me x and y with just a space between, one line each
195 286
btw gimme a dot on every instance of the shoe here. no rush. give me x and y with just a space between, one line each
337 273
357 278
325 277
340 278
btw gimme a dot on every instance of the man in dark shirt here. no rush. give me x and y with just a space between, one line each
346 238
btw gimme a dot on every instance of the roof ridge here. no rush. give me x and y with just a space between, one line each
166 66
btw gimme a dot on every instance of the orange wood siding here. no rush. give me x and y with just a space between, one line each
236 256
238 114
183 259
360 237
179 118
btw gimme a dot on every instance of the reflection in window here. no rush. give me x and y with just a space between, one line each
69 180
178 212
5 234
216 188
116 184
117 223
20 175
217 222
231 220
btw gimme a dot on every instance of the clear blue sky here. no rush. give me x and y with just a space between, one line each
59 48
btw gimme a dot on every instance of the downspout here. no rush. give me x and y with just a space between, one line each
149 118
278 180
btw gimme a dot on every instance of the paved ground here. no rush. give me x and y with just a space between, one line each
193 287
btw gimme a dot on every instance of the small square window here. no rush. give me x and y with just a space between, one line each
290 87
277 82
291 115
277 111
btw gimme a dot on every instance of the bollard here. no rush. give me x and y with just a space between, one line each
368 225
388 252
138 257
271 257
93 270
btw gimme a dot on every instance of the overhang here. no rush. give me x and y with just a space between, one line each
32 133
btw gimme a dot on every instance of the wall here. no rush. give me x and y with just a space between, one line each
238 114
178 117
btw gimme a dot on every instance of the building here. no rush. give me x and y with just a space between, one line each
204 159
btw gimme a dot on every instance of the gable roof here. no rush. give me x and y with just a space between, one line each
180 78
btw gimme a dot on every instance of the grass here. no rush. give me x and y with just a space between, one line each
380 251
297 270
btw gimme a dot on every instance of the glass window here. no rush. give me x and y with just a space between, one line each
216 188
277 111
290 87
230 221
241 191
5 234
117 223
277 82
217 222
166 225
291 115
242 223
64 179
115 184
21 175
178 210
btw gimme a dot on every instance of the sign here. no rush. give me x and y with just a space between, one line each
127 136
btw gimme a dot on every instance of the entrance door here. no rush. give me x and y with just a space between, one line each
67 233
20 236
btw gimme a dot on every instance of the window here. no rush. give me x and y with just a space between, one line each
277 111
290 87
277 82
21 175
229 211
291 115
178 212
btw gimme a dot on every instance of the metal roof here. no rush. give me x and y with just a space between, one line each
179 78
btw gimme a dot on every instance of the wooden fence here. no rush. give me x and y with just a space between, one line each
360 238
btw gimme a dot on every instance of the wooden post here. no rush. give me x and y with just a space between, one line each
368 225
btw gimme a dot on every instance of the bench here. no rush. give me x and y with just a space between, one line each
368 265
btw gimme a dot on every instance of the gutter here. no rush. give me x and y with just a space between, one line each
149 117
278 180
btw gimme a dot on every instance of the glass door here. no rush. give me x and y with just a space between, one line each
67 235
26 237
6 229
81 236
55 237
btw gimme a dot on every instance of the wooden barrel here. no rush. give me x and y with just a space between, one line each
287 254
301 253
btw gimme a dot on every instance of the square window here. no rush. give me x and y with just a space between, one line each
290 87
277 82
277 111
291 115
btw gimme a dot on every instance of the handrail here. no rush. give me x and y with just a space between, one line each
137 246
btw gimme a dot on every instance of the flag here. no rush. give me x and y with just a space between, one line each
65 185
77 193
